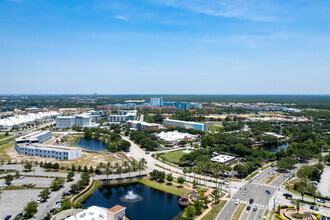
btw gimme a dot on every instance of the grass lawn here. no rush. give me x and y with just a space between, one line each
215 211
238 211
2 136
173 156
3 150
174 189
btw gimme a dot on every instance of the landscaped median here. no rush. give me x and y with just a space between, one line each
81 196
238 212
272 178
214 211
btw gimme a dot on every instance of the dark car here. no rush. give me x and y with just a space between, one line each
24 216
312 207
52 210
248 208
251 201
267 191
255 208
8 217
19 215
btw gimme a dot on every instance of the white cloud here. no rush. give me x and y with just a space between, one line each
255 10
122 17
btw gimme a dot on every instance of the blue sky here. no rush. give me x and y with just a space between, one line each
165 46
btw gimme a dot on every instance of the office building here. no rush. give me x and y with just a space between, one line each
83 120
31 145
183 124
224 159
142 126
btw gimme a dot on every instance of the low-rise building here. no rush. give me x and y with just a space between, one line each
94 213
123 116
138 125
84 120
31 145
174 137
222 158
183 124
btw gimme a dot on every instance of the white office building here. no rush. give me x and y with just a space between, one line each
82 120
222 158
31 145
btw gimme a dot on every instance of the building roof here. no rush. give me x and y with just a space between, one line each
222 158
116 209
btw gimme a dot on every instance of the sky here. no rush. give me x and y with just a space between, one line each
164 47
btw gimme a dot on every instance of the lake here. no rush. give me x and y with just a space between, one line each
92 144
155 204
274 149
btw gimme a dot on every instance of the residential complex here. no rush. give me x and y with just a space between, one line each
31 145
123 116
138 125
183 124
157 102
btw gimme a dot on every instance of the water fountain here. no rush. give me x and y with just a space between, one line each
186 151
131 197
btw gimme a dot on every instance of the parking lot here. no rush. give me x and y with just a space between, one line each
38 181
13 202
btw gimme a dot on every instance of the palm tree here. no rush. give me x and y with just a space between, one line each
125 164
302 189
185 170
129 169
312 189
119 171
216 175
134 165
107 171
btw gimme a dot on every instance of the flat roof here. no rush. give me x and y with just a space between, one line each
222 158
116 209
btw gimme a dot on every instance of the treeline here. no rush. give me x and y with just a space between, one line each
145 140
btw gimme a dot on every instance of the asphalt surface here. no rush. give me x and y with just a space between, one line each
257 191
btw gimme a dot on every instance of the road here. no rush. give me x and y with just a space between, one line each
257 191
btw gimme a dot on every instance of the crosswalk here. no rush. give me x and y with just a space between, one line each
254 204
264 184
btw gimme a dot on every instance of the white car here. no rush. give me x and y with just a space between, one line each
237 202
244 193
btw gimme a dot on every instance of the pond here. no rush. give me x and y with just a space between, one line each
92 144
152 203
275 149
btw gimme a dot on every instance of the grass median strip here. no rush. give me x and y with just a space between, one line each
215 211
272 178
238 212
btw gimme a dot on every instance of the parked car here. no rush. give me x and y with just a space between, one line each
22 177
7 217
52 210
251 201
248 207
19 215
24 216
312 207
147 152
321 200
267 191
237 202
68 194
254 208
250 181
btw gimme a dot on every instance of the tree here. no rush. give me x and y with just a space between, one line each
8 179
44 194
28 166
169 178
190 212
302 189
73 168
180 180
47 217
88 133
57 184
113 147
70 175
31 208
6 134
312 189
198 205
74 188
